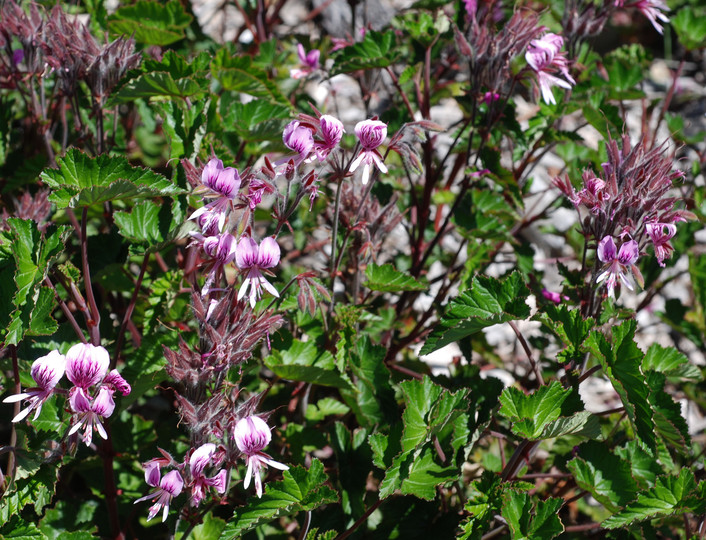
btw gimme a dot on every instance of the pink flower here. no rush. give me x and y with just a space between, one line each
555 297
544 57
618 264
219 183
88 414
371 134
594 193
471 7
652 9
46 372
251 436
661 234
332 131
256 189
298 138
341 43
223 181
211 221
309 62
199 460
490 97
169 487
254 259
221 248
86 364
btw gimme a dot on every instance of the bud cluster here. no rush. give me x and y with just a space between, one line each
629 200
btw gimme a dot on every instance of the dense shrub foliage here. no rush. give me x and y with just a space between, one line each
281 270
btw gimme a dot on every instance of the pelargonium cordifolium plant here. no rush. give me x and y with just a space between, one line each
359 270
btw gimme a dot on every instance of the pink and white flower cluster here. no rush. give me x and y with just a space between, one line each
314 139
251 435
633 199
172 483
90 398
220 247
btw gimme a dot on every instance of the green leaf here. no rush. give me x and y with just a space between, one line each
543 523
604 475
690 26
41 323
237 73
157 85
373 397
484 503
486 214
152 23
49 420
430 409
210 529
17 529
668 420
671 496
33 253
150 223
170 78
386 279
671 362
304 361
569 326
36 489
353 456
375 51
300 490
256 120
645 469
621 359
625 67
532 414
185 127
432 413
581 424
84 181
323 408
487 303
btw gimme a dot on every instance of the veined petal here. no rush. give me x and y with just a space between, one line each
276 464
269 287
248 475
22 414
366 173
16 397
244 288
379 163
356 162
101 430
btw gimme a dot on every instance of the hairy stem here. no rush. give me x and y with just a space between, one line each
130 309
66 311
360 520
94 322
